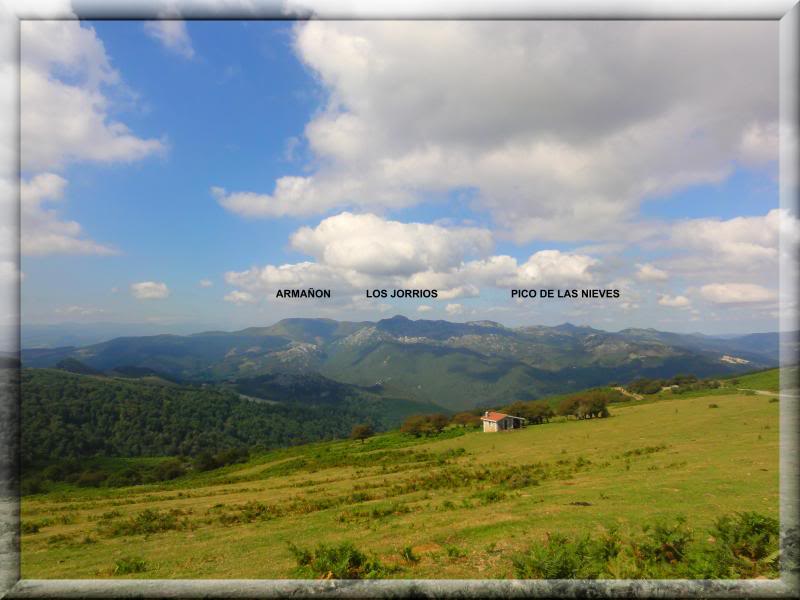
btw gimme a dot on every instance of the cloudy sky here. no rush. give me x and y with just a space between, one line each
181 173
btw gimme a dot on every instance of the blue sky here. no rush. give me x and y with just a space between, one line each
256 155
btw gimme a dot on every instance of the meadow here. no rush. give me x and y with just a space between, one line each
462 504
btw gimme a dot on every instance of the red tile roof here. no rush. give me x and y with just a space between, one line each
494 416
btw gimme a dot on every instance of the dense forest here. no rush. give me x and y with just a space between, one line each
68 415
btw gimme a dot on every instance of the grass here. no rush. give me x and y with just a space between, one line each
768 380
463 505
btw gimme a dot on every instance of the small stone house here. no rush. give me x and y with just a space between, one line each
497 421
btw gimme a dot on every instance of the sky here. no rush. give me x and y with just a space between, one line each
177 174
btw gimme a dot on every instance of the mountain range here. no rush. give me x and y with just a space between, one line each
455 366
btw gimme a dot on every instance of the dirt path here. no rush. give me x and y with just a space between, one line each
629 394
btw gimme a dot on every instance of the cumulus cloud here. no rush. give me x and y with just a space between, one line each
171 34
537 117
64 72
149 290
745 242
65 78
375 246
43 232
647 272
355 252
674 301
736 293
423 308
454 309
239 297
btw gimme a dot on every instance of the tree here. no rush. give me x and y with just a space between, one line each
361 432
438 422
465 419
414 425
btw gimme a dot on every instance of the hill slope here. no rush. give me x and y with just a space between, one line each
454 365
465 506
73 415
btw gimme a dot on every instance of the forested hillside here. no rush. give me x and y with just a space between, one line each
68 415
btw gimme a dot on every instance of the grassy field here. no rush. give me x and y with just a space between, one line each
762 380
456 507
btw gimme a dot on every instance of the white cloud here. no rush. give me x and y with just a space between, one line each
205 283
736 293
42 230
423 308
553 267
375 246
53 48
239 297
744 242
454 309
355 252
79 311
149 290
538 118
647 272
172 34
674 301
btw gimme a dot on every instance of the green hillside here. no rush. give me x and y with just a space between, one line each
768 380
456 366
68 415
464 504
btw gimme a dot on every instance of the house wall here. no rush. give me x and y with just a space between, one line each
489 426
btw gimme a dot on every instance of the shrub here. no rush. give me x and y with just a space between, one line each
408 555
147 521
32 485
342 561
771 400
743 545
455 552
666 542
558 558
712 405
169 469
129 564
418 425
91 478
29 527
466 419
124 478
362 432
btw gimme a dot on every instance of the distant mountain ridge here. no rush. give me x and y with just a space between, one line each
453 365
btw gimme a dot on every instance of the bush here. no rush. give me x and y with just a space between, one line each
712 405
32 485
124 478
147 521
169 469
129 564
466 419
342 561
91 478
743 545
558 558
29 527
362 432
418 425
408 555
645 386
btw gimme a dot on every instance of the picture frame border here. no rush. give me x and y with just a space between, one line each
786 12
